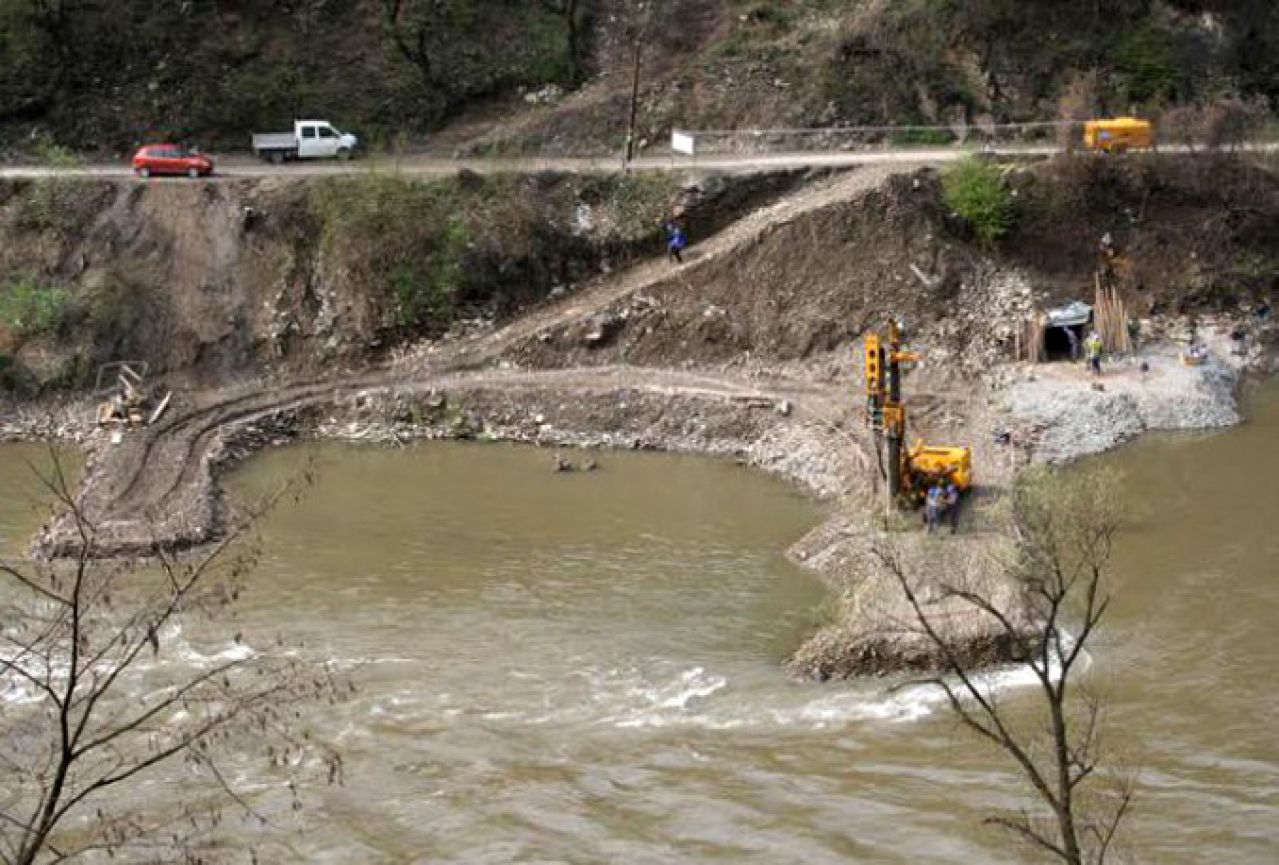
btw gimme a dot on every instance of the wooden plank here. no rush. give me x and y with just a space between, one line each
159 409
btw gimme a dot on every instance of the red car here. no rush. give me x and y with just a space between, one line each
171 159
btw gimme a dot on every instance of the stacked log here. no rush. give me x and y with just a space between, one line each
1029 342
1110 319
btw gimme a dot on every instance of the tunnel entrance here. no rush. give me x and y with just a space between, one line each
1063 343
1064 329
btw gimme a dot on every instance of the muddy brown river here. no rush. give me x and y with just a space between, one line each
585 668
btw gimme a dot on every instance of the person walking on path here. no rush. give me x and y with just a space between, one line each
676 240
1092 345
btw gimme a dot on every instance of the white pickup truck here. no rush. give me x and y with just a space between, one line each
310 139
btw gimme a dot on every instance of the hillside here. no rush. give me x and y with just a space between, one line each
215 280
100 77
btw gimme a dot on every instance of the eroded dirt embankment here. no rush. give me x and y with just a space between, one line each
750 350
210 281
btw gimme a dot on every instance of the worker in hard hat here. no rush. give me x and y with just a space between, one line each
1092 346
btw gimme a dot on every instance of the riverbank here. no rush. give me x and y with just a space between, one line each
803 431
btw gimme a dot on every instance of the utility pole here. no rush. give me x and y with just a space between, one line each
642 11
635 82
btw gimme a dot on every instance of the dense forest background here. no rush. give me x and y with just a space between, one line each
102 75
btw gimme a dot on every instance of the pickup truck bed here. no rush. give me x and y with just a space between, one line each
275 141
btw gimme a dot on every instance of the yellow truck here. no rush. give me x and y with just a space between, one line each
1119 134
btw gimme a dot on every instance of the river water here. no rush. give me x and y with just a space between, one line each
585 667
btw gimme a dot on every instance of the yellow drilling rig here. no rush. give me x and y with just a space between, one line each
910 471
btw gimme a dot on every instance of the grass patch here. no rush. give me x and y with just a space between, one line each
428 295
921 136
29 308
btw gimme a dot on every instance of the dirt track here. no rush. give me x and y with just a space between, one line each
232 167
243 166
157 485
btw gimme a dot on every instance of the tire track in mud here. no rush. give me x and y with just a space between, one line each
164 469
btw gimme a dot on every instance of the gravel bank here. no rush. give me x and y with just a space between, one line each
1064 413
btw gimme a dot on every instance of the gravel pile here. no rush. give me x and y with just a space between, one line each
1058 412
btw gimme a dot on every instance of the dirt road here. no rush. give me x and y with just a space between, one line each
157 485
243 166
239 166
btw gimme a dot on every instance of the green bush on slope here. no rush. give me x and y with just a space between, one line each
975 191
28 308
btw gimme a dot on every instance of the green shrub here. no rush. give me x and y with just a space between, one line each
427 295
404 237
28 308
427 251
975 190
641 201
63 205
54 155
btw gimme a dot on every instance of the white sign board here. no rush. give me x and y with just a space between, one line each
682 142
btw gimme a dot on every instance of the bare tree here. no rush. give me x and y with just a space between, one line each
1051 598
95 698
637 17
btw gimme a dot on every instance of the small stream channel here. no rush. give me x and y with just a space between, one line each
585 667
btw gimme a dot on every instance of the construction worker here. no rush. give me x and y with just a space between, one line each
934 502
951 501
1092 345
676 240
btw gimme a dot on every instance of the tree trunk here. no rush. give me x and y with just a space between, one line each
574 43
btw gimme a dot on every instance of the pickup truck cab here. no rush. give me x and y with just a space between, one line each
310 139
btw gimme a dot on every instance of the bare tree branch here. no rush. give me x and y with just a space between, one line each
76 637
1062 530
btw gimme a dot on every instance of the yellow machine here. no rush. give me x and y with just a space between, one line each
1119 134
910 471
